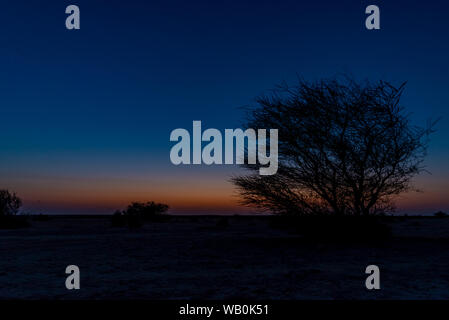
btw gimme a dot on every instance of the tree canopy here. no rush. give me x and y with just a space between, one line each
345 148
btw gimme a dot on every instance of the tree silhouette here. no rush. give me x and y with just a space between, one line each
9 203
345 148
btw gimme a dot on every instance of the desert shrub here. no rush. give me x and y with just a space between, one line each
440 214
137 213
149 211
10 205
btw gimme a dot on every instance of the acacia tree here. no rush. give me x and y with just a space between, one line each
345 148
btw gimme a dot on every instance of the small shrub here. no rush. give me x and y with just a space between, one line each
137 213
149 211
440 214
10 205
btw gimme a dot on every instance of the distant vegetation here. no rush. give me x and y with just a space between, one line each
137 213
440 214
10 205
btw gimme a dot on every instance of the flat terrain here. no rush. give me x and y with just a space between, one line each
196 258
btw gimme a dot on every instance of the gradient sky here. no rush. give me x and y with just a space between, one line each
86 115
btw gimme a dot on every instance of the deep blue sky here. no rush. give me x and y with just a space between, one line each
88 112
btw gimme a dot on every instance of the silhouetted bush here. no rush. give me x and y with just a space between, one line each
149 211
9 203
440 214
137 213
9 208
331 228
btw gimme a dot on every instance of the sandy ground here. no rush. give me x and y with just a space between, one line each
192 258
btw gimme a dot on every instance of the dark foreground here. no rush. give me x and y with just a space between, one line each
204 258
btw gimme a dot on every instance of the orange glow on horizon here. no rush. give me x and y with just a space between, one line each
194 192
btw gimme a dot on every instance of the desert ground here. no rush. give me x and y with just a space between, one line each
236 257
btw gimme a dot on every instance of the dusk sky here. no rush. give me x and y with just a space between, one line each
86 114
